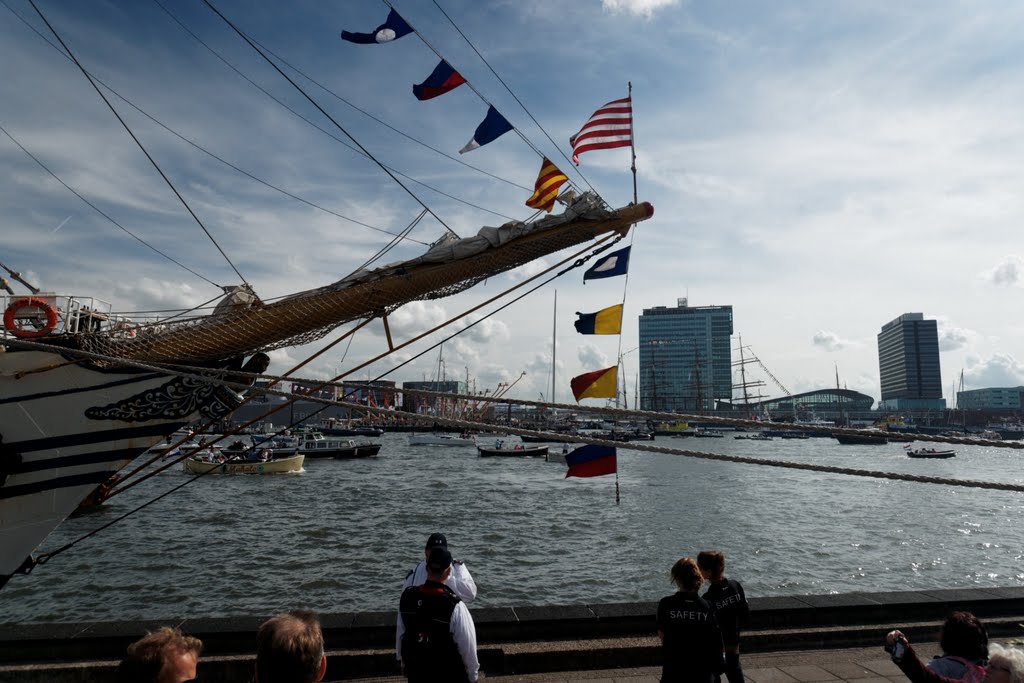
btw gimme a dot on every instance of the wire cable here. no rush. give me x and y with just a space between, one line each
138 142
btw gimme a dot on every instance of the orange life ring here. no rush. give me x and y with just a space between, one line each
30 302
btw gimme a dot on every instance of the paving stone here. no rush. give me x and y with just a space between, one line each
848 671
772 675
808 673
882 667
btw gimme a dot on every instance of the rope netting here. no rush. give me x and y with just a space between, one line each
446 269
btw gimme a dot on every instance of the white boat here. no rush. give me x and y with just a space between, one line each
84 391
198 464
440 439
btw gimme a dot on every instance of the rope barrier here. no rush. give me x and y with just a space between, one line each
483 426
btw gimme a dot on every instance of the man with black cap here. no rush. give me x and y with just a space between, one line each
459 581
436 635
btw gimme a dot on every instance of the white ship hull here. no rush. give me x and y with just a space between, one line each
66 428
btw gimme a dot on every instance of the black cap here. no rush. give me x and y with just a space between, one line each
437 541
439 559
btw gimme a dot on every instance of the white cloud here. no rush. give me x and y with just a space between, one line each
997 370
644 8
591 357
952 338
1007 273
830 341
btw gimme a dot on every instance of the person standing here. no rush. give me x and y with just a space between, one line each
460 580
436 636
730 603
691 642
163 656
290 649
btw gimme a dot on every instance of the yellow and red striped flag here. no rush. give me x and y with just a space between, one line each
546 189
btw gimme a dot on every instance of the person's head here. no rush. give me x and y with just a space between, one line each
163 656
436 540
962 635
712 564
439 564
686 574
290 649
1005 665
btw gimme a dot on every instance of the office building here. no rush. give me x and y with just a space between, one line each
685 357
995 398
908 364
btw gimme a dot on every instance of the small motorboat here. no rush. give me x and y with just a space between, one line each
931 453
356 450
440 439
213 462
315 445
512 452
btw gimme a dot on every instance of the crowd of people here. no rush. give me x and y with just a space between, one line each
435 637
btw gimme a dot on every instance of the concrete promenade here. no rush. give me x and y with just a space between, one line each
802 638
859 665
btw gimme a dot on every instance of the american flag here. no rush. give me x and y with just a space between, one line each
611 126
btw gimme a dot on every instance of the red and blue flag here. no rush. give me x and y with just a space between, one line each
443 79
591 461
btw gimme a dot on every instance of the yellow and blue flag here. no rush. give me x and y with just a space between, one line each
606 321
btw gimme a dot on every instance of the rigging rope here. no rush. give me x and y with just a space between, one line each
138 142
330 118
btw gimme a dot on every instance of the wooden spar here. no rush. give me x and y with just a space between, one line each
248 329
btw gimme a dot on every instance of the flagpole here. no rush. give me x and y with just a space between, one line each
632 142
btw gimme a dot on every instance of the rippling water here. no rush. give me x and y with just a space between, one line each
342 535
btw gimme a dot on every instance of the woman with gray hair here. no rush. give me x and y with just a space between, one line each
1005 664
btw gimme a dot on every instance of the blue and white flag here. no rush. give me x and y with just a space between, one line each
493 127
392 29
615 263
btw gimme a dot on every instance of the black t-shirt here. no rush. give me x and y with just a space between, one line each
730 604
692 649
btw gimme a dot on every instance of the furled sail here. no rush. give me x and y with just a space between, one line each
448 267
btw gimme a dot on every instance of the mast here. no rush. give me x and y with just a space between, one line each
554 344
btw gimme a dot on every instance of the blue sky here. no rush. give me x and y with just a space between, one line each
822 167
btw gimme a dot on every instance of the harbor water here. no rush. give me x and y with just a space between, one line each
342 535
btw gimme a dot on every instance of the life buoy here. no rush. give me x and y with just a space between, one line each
30 302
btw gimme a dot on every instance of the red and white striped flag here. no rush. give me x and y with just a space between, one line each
611 126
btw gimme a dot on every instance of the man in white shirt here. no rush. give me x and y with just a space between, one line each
436 636
460 579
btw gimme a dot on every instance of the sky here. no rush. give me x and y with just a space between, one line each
821 167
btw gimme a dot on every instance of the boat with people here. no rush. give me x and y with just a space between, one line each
213 461
515 451
441 439
938 453
314 444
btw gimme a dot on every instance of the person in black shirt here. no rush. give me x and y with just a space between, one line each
691 643
730 604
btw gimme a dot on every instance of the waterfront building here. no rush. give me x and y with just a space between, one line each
379 393
823 402
415 403
908 364
685 357
995 398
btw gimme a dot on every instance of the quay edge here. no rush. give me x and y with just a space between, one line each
515 640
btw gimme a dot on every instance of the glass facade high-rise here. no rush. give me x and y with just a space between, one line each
685 357
908 364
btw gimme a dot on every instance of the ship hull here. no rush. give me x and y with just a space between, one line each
68 427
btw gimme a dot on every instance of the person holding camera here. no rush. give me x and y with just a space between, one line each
1005 664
